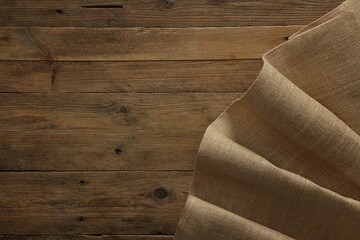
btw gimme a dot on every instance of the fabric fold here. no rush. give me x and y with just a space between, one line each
251 187
283 161
225 225
286 126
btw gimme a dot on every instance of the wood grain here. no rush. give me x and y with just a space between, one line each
136 76
92 202
96 131
100 126
162 13
104 44
87 237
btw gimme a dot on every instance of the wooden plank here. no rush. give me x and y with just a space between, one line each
87 237
92 202
162 13
94 150
110 112
136 76
104 44
95 131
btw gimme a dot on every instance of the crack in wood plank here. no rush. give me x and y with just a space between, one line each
103 6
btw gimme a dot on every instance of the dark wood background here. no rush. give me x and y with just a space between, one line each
103 104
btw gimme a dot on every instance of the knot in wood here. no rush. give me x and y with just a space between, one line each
123 109
118 151
160 193
168 3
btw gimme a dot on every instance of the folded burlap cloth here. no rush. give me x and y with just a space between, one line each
283 161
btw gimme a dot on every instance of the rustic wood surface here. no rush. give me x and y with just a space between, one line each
108 44
103 105
136 76
105 131
114 202
86 237
162 13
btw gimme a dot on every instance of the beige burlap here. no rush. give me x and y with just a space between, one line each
283 161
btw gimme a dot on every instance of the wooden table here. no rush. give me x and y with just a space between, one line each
103 105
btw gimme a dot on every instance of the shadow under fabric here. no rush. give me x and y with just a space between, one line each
283 161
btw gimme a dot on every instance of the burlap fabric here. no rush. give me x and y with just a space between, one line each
283 161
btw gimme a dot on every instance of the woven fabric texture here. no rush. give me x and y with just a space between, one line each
283 161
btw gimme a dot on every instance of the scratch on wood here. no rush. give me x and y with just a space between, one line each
36 41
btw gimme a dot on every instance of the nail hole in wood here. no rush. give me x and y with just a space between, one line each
286 38
160 193
81 182
118 151
59 11
81 218
103 6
